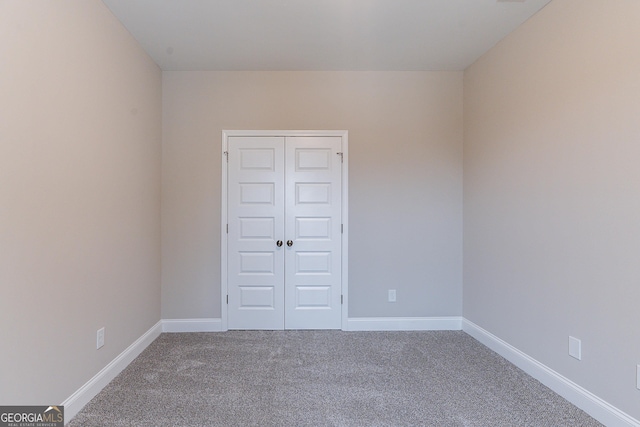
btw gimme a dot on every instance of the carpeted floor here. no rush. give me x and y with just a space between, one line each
325 378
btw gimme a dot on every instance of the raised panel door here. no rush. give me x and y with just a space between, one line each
313 222
255 214
284 189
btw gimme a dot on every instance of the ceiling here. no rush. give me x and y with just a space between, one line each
320 34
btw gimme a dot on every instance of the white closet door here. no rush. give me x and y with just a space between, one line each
284 233
256 223
313 229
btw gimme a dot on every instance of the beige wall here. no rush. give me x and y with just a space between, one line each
405 179
552 192
80 133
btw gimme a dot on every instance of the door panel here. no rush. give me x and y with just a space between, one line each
313 228
255 214
257 297
317 193
257 228
313 223
254 193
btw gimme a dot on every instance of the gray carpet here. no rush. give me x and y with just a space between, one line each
325 378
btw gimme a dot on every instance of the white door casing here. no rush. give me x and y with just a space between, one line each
285 187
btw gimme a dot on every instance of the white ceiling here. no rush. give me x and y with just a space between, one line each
320 34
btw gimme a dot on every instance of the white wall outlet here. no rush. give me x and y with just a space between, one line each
392 295
638 377
100 338
575 348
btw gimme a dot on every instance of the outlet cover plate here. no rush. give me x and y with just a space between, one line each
575 348
100 338
392 295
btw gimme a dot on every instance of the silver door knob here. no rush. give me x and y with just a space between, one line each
289 243
279 243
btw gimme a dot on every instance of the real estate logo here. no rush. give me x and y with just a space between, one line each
31 416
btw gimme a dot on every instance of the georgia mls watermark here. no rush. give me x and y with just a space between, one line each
31 416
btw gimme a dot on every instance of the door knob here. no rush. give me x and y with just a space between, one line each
279 243
289 243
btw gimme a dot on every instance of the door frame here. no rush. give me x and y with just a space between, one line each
344 211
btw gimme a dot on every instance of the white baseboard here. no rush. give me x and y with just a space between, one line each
602 411
74 403
354 324
192 325
404 324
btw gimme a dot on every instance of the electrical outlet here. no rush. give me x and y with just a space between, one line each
392 295
638 377
575 348
100 338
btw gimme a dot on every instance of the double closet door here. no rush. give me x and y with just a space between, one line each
284 232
